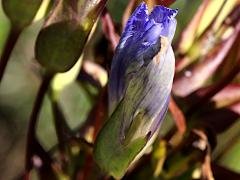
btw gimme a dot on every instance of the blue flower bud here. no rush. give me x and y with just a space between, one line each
142 32
139 88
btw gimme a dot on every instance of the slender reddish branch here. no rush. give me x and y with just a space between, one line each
109 29
11 41
31 135
100 114
178 116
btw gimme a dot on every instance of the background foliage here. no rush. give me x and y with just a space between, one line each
198 43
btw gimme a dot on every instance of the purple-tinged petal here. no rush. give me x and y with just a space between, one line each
158 120
135 25
161 14
137 44
165 17
139 87
147 94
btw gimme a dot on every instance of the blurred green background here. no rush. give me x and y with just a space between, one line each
21 82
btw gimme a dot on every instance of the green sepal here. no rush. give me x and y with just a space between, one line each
110 153
21 12
59 45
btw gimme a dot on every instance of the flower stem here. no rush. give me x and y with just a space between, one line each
63 131
31 135
11 41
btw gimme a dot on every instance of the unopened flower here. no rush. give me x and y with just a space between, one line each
139 88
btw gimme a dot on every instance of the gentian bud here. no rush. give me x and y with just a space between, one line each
139 88
21 12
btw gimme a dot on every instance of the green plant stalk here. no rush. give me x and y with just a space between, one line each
63 131
8 48
31 134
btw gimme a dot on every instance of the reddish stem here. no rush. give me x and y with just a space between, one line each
11 41
31 135
178 116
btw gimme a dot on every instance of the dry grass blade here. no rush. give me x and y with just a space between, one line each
216 88
206 168
185 84
189 33
211 28
227 96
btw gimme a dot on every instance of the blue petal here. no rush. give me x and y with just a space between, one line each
135 25
125 53
142 32
165 17
161 14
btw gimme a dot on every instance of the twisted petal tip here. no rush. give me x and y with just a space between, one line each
141 21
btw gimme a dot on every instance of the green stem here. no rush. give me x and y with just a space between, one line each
62 129
11 41
31 135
